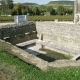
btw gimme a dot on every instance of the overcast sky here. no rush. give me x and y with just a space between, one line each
38 1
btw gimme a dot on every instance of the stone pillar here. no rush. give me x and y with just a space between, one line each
77 11
76 18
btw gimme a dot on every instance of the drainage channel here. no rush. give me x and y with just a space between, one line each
41 54
32 48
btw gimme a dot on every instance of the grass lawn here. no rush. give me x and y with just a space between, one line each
12 68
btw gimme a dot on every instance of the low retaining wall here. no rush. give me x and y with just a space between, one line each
17 33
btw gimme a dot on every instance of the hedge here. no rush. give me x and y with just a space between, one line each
38 18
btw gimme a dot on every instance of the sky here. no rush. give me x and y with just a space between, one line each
37 1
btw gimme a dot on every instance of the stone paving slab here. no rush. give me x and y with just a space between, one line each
7 23
26 43
69 22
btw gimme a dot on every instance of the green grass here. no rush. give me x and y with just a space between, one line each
15 69
56 55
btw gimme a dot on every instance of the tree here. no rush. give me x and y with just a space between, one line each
60 10
68 11
14 11
51 10
36 11
24 9
4 6
18 8
10 4
30 10
27 10
42 8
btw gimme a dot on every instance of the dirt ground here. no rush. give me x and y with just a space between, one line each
6 73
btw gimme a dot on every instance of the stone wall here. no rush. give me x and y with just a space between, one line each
17 33
64 36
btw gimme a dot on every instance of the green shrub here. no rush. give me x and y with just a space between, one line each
38 18
6 18
50 18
